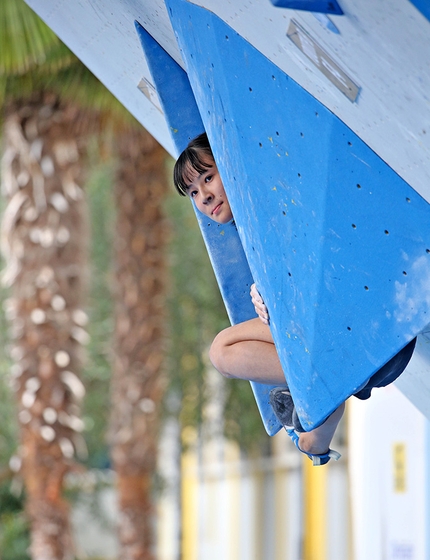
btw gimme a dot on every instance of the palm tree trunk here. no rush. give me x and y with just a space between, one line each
44 238
137 380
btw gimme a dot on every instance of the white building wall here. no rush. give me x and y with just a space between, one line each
389 474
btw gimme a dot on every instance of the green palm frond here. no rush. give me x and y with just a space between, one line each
32 58
78 84
73 83
25 41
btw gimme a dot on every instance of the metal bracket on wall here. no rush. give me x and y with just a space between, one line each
331 70
150 93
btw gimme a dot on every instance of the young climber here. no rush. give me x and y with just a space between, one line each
246 350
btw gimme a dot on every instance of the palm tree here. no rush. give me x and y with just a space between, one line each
44 234
44 242
137 385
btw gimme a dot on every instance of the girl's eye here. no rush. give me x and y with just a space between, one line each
192 194
208 178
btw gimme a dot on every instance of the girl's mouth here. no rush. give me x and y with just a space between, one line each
217 209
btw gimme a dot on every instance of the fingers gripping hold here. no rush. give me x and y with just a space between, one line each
260 307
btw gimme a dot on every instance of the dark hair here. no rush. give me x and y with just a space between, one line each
195 156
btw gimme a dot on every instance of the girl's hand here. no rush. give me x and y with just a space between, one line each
260 308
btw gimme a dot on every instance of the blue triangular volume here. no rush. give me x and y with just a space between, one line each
338 243
174 91
223 243
322 6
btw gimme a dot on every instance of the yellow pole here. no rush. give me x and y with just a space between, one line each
315 509
189 499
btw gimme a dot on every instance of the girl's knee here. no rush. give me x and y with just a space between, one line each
218 353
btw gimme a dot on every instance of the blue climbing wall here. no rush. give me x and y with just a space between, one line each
336 241
222 241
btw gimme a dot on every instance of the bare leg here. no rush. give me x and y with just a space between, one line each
318 440
247 351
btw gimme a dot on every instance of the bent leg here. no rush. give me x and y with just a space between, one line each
314 442
318 440
247 351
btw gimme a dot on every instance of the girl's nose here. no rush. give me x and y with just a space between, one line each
207 197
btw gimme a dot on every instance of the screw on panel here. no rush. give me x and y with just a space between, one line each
349 143
354 226
349 328
358 186
366 288
427 250
405 273
387 232
250 89
408 199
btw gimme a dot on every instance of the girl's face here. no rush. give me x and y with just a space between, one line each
207 191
